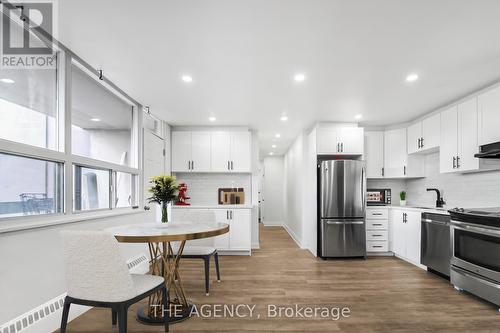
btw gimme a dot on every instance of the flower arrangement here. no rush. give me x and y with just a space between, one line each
163 191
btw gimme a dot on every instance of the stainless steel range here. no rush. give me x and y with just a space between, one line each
475 262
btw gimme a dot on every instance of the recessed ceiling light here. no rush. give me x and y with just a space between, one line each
187 78
412 77
271 153
358 116
274 146
7 80
284 118
299 77
95 119
277 135
212 119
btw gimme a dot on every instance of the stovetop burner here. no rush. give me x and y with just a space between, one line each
485 216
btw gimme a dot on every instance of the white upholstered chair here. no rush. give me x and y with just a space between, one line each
97 275
192 251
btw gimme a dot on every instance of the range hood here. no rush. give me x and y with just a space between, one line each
491 150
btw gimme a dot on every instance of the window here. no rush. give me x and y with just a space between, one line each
101 121
30 186
91 188
101 154
125 189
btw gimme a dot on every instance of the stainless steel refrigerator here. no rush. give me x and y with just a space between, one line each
342 208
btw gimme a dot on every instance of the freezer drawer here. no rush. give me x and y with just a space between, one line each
343 238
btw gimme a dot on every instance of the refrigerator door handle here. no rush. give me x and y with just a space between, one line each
344 222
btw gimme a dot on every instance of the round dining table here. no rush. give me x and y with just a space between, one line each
165 262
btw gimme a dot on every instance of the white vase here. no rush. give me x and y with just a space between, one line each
402 203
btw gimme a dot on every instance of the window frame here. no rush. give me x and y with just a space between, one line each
65 60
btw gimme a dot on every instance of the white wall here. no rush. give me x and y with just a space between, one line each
294 189
31 268
273 191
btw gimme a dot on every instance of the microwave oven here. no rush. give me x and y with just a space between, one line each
378 197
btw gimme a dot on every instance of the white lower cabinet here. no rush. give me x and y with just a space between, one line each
377 229
239 237
405 234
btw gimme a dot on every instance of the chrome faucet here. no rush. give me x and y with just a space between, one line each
439 202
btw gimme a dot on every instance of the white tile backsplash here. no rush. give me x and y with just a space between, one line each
469 190
203 187
481 189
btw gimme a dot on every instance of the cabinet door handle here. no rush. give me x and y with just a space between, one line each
454 162
228 165
376 224
422 143
458 162
342 147
189 165
192 165
383 172
227 215
404 170
232 167
377 214
338 147
231 212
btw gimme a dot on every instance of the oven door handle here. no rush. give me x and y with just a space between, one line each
474 228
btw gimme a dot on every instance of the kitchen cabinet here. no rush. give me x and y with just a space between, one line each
374 154
397 162
459 138
239 236
190 151
199 151
231 151
489 116
377 225
405 235
424 135
340 140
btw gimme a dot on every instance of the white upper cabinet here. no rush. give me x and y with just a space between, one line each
221 151
459 138
241 152
340 140
190 151
181 151
374 154
414 137
397 163
468 144
199 151
448 151
424 135
489 116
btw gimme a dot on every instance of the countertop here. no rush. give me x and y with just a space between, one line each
443 211
213 207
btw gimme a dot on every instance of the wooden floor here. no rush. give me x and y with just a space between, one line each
383 295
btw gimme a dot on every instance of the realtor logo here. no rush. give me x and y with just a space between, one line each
22 24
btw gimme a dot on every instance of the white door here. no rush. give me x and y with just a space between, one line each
222 242
181 151
220 151
414 135
449 140
413 231
200 151
351 140
154 165
327 140
374 154
431 126
395 152
467 135
241 232
241 152
398 233
489 116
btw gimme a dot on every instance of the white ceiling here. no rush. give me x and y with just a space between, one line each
242 55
